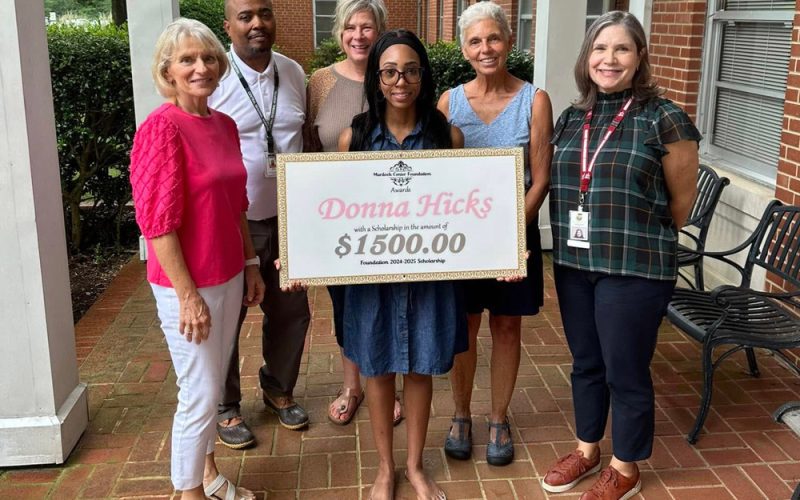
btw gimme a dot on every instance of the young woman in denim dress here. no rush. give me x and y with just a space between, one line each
410 328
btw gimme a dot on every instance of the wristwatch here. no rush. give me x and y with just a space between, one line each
255 261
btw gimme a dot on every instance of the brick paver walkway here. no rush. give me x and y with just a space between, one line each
125 450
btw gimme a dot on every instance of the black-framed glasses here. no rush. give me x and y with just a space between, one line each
391 76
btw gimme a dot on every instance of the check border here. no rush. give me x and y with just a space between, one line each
284 158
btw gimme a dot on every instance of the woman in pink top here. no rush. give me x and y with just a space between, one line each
189 192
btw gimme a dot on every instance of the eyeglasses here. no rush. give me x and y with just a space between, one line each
391 76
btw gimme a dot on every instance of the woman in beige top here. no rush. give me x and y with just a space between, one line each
335 95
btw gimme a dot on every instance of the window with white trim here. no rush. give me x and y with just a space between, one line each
595 9
525 25
461 5
440 19
746 62
323 20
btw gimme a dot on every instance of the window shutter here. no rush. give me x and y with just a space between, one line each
760 5
750 86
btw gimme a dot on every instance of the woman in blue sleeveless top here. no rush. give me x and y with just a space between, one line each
497 109
410 328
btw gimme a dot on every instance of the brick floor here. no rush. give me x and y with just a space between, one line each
125 450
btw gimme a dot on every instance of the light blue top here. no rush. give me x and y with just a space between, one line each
511 128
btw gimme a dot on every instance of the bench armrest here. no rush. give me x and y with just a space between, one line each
722 294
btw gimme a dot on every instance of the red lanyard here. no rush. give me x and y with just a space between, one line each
588 166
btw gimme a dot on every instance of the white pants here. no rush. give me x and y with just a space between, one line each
201 370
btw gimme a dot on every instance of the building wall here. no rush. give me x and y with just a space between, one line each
676 46
402 14
295 36
449 24
295 29
787 187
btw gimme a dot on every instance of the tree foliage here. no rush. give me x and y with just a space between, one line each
209 12
93 103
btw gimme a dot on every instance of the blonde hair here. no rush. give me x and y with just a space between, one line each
345 9
480 11
170 41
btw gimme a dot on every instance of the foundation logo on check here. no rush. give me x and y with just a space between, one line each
400 174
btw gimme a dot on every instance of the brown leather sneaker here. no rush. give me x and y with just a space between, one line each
568 471
613 486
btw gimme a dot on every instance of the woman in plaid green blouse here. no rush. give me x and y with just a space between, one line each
623 180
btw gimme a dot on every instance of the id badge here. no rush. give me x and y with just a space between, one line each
578 229
271 170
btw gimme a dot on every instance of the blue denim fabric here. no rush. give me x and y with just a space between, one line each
403 327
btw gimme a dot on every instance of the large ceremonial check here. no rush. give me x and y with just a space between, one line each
393 216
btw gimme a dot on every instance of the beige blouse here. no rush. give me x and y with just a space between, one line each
333 101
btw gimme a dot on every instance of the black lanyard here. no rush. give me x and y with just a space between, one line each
267 123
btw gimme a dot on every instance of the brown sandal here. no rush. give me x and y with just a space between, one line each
349 407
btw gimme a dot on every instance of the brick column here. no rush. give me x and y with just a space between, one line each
787 184
676 46
787 187
449 26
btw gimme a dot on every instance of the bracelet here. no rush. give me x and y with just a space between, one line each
255 261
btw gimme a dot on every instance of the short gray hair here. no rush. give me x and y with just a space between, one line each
480 11
345 9
170 40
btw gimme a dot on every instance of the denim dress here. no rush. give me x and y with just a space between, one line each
403 327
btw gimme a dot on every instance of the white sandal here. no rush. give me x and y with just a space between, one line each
217 484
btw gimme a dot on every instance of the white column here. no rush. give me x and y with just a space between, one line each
146 20
560 28
643 10
43 410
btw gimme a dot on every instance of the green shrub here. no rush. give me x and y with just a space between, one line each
93 104
209 12
450 69
327 53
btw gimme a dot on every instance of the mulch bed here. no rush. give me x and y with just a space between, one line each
90 275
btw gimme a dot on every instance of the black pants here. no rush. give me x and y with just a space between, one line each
611 324
283 331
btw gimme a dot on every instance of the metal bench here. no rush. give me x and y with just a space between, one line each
709 190
739 317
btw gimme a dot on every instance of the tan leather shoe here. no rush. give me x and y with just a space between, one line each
568 471
613 486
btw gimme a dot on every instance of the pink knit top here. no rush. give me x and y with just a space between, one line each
187 176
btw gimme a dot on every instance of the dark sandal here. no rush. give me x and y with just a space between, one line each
349 408
497 453
459 447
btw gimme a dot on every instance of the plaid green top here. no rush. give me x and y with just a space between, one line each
631 230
